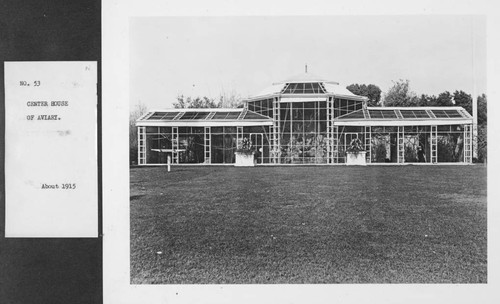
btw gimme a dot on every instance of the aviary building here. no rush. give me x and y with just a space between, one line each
305 120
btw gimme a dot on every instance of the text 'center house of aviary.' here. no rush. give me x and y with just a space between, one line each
306 120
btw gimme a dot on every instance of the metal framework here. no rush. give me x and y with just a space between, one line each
275 137
175 145
335 144
401 144
239 137
329 129
363 120
468 144
208 137
434 140
141 140
368 144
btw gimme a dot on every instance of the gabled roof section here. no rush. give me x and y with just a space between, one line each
203 114
406 115
206 117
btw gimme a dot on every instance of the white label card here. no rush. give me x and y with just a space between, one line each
51 149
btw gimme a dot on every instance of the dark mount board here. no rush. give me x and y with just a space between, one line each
49 270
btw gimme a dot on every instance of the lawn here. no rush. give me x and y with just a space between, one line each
324 224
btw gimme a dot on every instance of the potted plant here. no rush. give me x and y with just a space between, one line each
245 154
356 154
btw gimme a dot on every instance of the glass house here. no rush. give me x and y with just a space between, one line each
305 120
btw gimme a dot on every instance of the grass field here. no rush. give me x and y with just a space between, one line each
375 224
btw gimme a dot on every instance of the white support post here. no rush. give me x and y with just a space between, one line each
141 145
175 145
434 144
474 127
401 145
207 146
468 144
276 155
329 131
168 163
239 137
368 144
335 144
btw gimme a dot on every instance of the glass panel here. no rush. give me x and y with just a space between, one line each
188 115
169 116
421 114
308 89
389 114
233 115
407 114
440 113
157 115
303 88
453 113
220 115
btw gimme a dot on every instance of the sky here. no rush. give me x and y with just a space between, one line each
213 56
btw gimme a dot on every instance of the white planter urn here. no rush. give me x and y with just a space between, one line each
244 159
356 159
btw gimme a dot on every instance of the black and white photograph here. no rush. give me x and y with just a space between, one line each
308 150
266 151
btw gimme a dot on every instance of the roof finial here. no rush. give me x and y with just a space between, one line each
306 67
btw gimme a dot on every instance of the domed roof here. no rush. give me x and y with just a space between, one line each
330 87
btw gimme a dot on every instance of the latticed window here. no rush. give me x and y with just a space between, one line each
304 88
